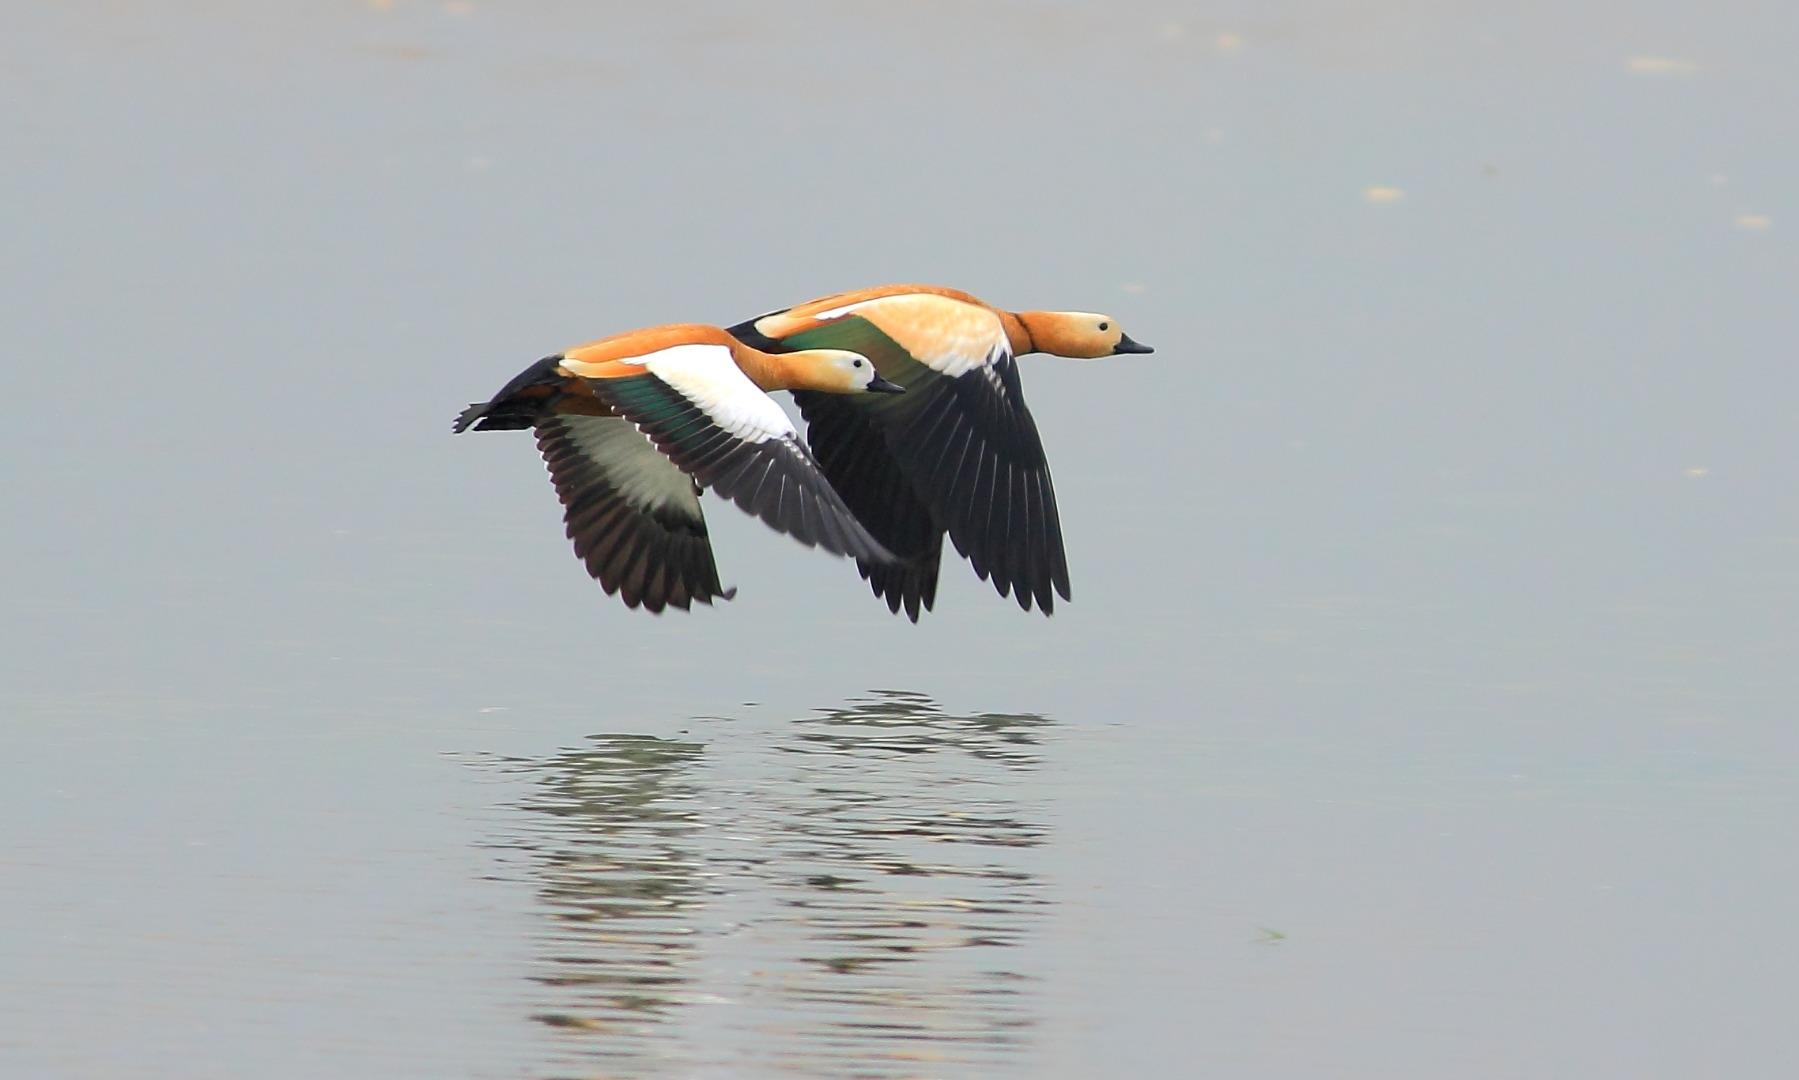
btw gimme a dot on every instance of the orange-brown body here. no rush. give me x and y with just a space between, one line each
923 328
616 357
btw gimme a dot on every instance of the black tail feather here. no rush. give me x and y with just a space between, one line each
500 415
468 416
507 411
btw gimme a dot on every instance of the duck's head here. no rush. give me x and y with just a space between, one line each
837 371
1083 335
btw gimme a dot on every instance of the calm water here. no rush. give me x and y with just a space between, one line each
853 892
1426 705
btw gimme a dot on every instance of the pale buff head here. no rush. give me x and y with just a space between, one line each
1083 335
835 371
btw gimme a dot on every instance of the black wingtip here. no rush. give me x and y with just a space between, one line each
908 586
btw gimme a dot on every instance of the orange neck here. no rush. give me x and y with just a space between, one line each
766 370
1017 333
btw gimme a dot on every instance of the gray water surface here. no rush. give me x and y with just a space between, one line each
863 885
1425 706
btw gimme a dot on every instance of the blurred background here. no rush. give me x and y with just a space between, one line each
1425 705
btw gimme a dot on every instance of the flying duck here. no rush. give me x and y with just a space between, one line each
959 451
634 426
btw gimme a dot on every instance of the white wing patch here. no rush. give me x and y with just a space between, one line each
707 376
954 339
638 471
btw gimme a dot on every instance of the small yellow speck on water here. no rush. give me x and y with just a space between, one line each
1661 65
1228 42
1381 194
1754 222
1135 288
1696 472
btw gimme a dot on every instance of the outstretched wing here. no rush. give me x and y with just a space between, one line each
712 422
634 517
853 455
961 436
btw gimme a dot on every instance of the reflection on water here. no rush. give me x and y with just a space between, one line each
838 893
623 876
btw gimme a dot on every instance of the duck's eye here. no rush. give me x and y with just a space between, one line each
1103 327
858 363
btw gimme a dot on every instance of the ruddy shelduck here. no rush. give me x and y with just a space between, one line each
959 451
635 426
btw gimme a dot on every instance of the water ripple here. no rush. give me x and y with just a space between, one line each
835 895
